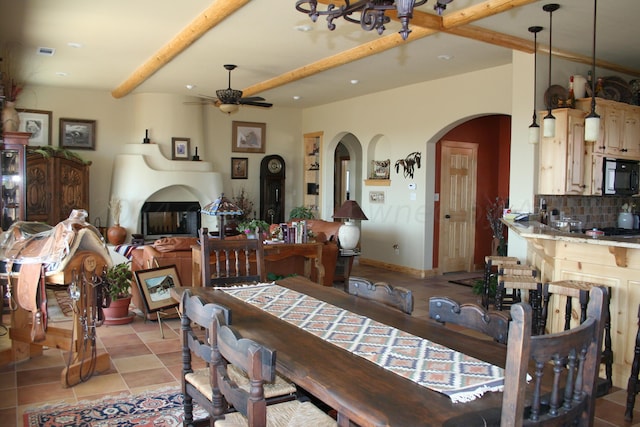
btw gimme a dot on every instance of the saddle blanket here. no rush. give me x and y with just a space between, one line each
461 377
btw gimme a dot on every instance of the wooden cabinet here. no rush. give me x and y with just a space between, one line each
312 161
12 167
619 128
55 186
562 158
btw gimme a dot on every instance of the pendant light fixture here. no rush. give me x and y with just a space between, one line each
592 121
534 129
549 120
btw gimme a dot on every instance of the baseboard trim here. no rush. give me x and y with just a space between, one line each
422 274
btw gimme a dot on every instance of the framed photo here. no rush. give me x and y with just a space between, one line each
376 196
248 137
38 122
78 134
239 167
180 148
380 169
155 284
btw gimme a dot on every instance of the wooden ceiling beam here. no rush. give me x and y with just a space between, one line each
209 18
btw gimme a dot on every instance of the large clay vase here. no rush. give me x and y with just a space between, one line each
10 117
116 234
118 312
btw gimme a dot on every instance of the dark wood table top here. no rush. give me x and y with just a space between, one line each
366 393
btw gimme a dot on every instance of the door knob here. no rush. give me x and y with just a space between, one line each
447 216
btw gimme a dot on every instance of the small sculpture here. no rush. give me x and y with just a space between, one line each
409 163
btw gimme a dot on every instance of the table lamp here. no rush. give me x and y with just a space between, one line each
349 232
221 207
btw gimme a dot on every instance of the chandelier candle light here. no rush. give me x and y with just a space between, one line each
372 12
534 129
549 120
349 232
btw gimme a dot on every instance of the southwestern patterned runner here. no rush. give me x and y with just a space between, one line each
461 377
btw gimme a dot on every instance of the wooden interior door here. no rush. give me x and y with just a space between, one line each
458 181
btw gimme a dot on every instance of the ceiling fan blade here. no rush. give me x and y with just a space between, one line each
203 102
256 104
252 98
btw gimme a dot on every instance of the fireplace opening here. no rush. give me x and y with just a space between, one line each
170 219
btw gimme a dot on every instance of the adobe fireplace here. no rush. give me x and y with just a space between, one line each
170 219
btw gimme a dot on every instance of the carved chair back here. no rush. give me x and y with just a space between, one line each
396 297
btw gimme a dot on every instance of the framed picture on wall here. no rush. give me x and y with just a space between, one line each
247 137
380 169
239 167
38 123
78 134
180 148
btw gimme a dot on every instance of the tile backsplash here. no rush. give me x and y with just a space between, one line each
593 211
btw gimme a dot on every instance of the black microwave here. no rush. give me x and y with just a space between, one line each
621 177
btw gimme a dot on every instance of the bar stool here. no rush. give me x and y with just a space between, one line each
518 278
491 261
580 290
633 386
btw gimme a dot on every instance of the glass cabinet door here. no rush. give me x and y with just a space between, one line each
12 168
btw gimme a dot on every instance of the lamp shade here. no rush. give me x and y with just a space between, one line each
229 108
221 206
350 210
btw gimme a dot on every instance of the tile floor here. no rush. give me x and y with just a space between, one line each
142 360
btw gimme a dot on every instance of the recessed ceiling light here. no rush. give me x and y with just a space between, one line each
61 74
354 81
444 57
296 97
75 45
303 28
46 51
190 86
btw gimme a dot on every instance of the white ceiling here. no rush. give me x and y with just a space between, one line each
118 36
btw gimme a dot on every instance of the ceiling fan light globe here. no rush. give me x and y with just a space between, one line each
229 108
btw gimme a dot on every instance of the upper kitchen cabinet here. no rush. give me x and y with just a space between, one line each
562 158
619 128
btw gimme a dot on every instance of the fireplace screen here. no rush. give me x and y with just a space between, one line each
170 219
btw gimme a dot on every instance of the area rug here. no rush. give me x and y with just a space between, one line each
471 282
158 408
59 305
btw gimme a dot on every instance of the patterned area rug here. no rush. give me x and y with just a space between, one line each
59 305
159 408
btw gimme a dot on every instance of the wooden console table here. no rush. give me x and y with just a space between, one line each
274 253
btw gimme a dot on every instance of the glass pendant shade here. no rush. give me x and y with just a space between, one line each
592 128
534 133
549 123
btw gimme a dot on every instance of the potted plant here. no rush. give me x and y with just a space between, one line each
301 212
253 227
118 286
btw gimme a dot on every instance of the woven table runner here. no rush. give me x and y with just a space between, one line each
461 377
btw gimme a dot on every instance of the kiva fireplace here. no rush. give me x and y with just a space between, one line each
170 219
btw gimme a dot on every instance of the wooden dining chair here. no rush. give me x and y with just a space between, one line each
574 356
396 297
226 262
475 317
199 324
249 406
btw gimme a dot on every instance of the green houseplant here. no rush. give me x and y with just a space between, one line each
253 226
301 212
118 285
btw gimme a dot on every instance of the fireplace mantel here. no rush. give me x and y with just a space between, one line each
142 173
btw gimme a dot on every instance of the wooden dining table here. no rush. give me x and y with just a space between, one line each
359 390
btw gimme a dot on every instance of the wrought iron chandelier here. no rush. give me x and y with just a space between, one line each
372 12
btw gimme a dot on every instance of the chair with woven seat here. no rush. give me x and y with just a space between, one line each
396 297
197 384
520 278
574 356
579 290
491 262
225 262
492 323
633 384
250 407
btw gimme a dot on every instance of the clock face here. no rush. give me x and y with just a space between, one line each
275 165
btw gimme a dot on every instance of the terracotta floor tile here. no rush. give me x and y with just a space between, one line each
8 398
131 339
100 384
137 363
165 346
38 376
50 357
172 358
8 417
128 351
7 380
52 392
147 377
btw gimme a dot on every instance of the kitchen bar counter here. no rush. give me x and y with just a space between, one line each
612 261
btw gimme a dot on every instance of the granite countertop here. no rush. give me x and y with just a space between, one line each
537 230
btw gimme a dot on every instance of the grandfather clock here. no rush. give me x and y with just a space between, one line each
272 174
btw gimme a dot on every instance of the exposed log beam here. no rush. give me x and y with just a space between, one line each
209 18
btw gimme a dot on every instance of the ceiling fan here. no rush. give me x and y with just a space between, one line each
229 100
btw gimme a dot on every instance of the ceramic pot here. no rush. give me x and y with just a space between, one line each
579 86
10 117
118 312
625 220
116 234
